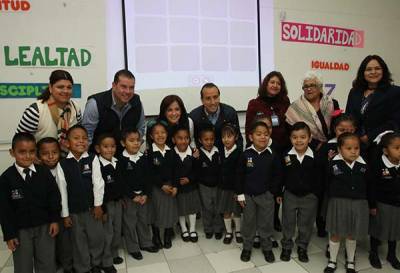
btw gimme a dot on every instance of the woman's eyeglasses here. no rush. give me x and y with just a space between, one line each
305 87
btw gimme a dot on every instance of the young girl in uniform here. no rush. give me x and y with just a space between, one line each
161 163
228 205
385 220
184 175
347 191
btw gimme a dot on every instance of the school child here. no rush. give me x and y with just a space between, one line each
228 205
342 124
49 152
161 161
301 182
385 220
208 168
259 174
133 168
30 206
82 212
347 191
105 170
188 194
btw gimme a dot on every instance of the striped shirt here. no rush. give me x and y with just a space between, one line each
38 121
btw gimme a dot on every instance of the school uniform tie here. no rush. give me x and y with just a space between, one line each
27 173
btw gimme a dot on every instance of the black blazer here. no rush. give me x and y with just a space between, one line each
383 111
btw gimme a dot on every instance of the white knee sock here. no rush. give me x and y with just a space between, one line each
228 225
237 223
182 222
351 249
192 222
333 249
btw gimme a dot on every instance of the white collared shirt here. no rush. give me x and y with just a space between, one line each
228 152
62 186
21 170
389 164
351 165
333 140
210 154
156 149
134 158
184 154
300 158
260 152
84 155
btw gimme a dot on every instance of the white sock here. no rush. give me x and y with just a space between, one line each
192 222
333 250
351 249
237 221
182 222
228 225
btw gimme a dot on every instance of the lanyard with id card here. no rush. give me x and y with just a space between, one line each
274 118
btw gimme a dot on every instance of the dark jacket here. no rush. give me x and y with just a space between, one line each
110 122
161 168
228 169
185 168
208 172
227 115
382 113
26 204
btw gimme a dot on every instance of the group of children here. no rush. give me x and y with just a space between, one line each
100 197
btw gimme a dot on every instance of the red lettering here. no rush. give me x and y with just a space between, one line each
25 5
14 5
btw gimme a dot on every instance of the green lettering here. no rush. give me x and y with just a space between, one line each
62 50
86 57
9 62
22 92
22 55
49 62
13 90
37 55
3 90
72 58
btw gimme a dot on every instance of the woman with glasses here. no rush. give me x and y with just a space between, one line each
314 108
374 101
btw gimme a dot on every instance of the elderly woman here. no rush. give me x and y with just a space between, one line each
54 112
314 108
374 101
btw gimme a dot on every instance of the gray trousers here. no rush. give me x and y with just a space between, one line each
212 220
64 247
136 226
35 251
258 215
112 232
302 210
87 236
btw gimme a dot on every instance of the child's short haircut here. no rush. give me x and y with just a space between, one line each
256 124
150 127
47 140
388 138
22 136
206 129
180 128
343 137
103 136
344 118
229 129
76 126
128 131
300 126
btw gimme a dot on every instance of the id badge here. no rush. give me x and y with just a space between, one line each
275 120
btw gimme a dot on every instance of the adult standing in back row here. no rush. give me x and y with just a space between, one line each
214 113
114 110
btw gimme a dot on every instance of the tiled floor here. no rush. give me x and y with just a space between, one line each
211 256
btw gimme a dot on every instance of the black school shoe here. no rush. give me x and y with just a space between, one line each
136 255
95 269
330 268
118 260
239 238
109 269
209 235
269 256
167 238
218 235
350 267
228 238
151 249
374 260
245 256
193 237
392 259
303 257
285 255
274 242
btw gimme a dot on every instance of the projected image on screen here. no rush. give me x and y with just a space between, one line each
185 43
